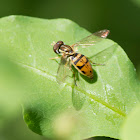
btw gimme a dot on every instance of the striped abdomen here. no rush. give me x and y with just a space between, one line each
81 63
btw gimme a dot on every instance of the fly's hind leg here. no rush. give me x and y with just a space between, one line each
95 64
74 78
73 74
70 68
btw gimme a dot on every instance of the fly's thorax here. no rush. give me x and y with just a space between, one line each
61 48
66 49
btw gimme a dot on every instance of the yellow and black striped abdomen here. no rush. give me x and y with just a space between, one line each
81 63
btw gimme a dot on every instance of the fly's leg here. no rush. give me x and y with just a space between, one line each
95 64
55 58
70 68
76 49
74 78
73 75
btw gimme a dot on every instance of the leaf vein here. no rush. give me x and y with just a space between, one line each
52 78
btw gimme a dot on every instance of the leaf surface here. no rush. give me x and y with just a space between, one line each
131 125
49 108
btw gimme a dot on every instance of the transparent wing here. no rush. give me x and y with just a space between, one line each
103 33
63 71
78 98
92 39
104 55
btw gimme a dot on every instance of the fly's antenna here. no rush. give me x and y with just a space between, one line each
53 43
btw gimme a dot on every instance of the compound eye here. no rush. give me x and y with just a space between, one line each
60 42
57 46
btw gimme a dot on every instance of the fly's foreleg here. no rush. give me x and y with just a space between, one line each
55 58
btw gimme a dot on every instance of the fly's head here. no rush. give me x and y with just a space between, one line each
60 48
56 47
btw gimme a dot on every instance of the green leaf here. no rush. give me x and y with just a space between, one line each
49 110
131 125
10 89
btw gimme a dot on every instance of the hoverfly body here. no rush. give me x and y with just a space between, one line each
69 57
79 61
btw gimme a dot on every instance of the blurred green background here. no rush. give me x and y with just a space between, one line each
121 17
